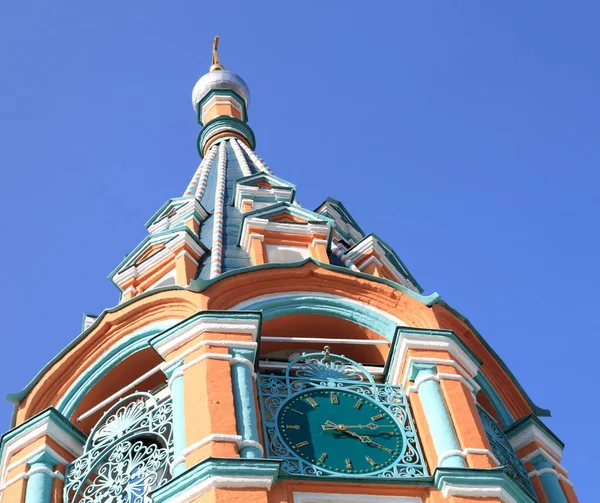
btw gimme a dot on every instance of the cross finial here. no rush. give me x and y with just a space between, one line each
215 65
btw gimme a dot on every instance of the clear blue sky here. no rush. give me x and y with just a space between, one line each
463 133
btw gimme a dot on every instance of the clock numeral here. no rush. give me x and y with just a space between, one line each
334 399
312 401
358 404
378 416
292 426
322 458
348 464
304 443
297 412
371 461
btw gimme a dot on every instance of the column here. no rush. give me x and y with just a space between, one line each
549 480
242 377
40 477
175 376
437 415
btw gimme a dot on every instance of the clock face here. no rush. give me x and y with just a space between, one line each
340 431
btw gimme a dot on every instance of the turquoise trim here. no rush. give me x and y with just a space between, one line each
499 406
176 203
39 484
341 209
222 92
125 348
537 410
199 285
278 183
50 415
529 421
438 417
159 237
212 467
393 258
230 124
474 477
428 332
178 401
244 403
313 303
549 480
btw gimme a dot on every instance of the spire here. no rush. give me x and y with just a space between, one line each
221 99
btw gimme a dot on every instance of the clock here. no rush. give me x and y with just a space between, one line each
340 431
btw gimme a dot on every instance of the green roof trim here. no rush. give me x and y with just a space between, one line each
537 410
343 212
197 286
173 203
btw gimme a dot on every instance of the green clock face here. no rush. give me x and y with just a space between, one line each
340 431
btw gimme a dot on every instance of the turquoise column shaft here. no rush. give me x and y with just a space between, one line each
40 479
175 376
243 400
438 418
549 481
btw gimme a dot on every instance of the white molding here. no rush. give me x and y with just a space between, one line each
542 452
302 497
339 221
230 326
273 248
465 452
182 214
438 378
214 482
558 475
478 492
256 192
467 380
324 340
533 433
431 342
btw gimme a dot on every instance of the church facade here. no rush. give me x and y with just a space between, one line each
261 352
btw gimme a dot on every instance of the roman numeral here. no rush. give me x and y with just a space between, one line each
378 416
371 461
292 426
297 412
358 404
348 464
322 458
312 401
334 399
304 443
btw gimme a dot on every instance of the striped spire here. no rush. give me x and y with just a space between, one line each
255 159
240 157
203 167
217 237
209 157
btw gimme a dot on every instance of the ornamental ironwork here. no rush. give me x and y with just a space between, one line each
332 372
504 452
127 454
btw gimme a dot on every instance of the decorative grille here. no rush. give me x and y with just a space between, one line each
127 454
325 370
505 453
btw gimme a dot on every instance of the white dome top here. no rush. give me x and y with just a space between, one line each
219 79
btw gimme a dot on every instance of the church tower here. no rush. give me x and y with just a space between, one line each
262 352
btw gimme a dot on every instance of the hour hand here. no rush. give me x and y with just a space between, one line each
330 425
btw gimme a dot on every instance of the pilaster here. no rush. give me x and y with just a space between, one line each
209 358
34 458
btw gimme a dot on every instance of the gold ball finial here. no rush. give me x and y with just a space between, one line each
215 65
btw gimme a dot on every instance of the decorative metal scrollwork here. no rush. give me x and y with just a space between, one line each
127 454
504 452
316 370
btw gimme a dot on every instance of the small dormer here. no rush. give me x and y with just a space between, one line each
347 231
283 233
162 259
261 190
373 256
178 212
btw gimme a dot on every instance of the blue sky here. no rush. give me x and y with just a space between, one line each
463 133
